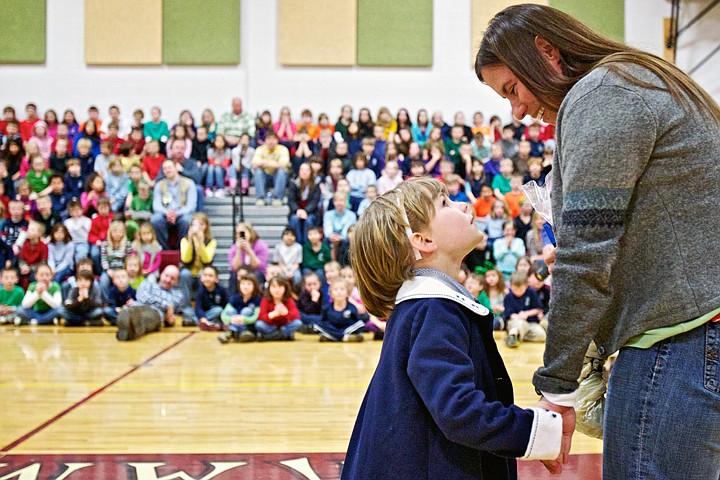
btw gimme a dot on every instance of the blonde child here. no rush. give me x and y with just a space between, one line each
113 252
495 290
279 317
347 274
242 311
494 222
197 251
148 249
339 321
515 196
332 271
133 267
441 381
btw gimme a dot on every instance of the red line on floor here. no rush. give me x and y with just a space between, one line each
72 407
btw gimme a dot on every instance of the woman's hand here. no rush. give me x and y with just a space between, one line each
549 256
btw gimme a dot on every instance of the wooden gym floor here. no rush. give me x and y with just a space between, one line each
77 404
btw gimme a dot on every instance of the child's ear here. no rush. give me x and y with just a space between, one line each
422 243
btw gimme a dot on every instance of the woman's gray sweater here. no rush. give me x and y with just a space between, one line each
635 208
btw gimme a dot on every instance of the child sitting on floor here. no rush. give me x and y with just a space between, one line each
340 321
242 312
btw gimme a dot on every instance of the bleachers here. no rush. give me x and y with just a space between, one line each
268 221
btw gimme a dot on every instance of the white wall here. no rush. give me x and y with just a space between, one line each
449 85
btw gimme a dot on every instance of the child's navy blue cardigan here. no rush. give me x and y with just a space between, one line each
440 402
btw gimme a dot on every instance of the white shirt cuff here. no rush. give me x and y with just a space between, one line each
545 436
561 399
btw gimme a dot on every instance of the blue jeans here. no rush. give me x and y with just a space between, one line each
280 179
63 275
75 320
215 177
110 314
274 333
45 318
300 227
213 315
81 250
95 256
662 414
188 283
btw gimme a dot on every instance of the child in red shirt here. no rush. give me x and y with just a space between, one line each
279 317
99 229
32 254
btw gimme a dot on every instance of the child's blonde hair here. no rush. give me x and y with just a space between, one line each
153 246
506 210
119 227
381 253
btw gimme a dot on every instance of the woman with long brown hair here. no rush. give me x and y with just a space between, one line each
635 181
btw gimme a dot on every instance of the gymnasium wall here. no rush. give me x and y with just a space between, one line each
268 76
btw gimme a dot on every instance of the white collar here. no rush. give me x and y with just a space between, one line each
427 287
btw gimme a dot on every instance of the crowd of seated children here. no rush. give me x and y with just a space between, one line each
71 184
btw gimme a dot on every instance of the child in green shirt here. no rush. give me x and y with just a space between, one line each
39 176
316 253
11 295
42 300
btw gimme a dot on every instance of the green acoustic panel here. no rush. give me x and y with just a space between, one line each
201 32
22 31
607 17
395 33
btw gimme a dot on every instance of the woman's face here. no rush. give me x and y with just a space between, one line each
304 171
501 79
364 116
422 117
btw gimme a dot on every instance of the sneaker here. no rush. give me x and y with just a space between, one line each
277 202
306 328
323 338
56 321
353 338
33 322
512 341
225 337
17 321
246 336
207 326
4 320
260 202
208 193
220 193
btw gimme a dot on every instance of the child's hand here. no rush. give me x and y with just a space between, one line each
98 243
315 295
281 310
41 287
130 302
237 320
24 270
